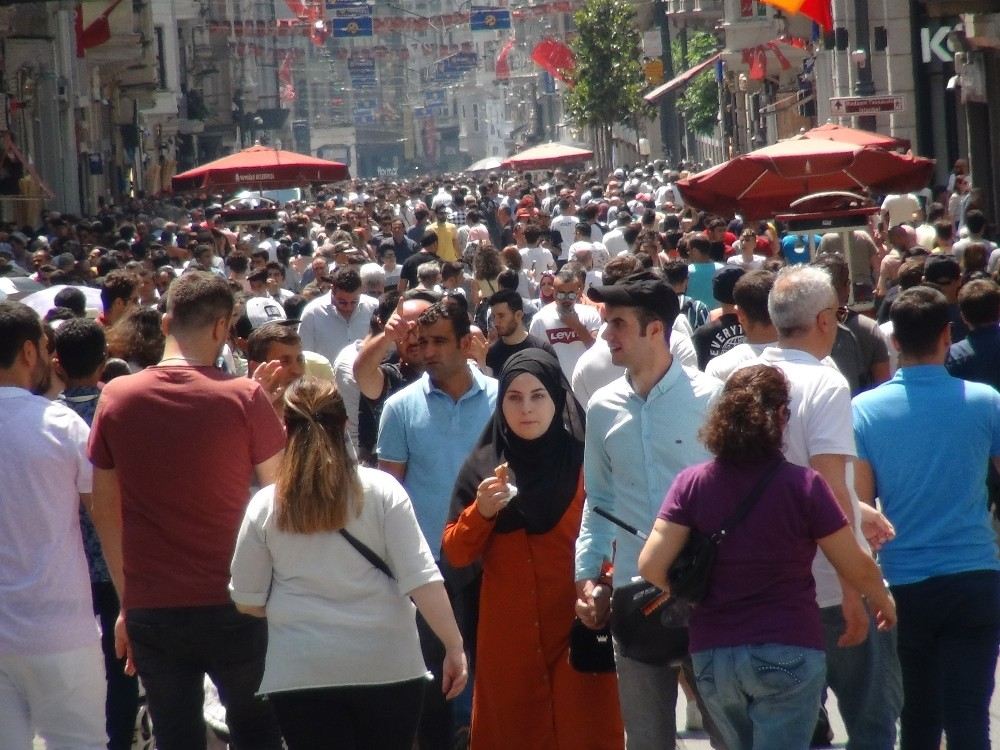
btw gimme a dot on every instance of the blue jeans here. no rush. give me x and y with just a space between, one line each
949 628
123 691
866 680
174 648
763 696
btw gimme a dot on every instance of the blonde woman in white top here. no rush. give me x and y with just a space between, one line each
344 667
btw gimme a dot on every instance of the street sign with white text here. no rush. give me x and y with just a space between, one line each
848 106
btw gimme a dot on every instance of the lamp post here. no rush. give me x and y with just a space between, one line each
668 103
863 83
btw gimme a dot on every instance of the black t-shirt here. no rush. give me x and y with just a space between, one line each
370 409
500 352
408 270
716 337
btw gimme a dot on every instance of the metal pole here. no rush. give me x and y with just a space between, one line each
864 85
668 104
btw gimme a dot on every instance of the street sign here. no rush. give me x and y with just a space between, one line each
847 106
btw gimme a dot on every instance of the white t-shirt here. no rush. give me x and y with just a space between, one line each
547 326
820 423
615 242
45 601
566 226
347 386
902 208
333 618
728 362
539 256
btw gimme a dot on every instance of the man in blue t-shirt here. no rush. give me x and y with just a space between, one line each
795 248
923 441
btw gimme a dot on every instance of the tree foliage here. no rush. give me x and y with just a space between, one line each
608 79
699 102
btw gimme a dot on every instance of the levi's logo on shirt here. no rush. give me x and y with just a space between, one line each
562 336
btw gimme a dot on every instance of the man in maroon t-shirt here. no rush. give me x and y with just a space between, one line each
174 448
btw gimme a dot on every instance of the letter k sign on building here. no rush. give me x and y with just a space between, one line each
934 44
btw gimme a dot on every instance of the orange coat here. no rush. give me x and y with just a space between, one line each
526 694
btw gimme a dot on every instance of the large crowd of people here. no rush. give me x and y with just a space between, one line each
355 464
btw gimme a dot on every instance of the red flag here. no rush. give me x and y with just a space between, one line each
286 80
556 58
503 67
97 31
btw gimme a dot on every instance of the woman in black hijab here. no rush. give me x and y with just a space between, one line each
516 511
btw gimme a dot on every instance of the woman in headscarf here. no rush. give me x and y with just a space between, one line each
516 511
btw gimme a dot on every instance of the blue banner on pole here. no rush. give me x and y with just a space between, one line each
485 18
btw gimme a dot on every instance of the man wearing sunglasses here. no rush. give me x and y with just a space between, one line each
568 326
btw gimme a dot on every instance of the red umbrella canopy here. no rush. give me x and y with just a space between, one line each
764 182
546 155
260 168
833 132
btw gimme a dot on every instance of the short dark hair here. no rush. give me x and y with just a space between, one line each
196 300
273 265
347 280
918 316
750 295
700 243
508 279
675 271
531 233
979 302
450 309
270 333
508 297
620 267
118 285
975 221
18 324
81 346
72 298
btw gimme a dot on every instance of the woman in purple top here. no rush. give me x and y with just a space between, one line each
756 640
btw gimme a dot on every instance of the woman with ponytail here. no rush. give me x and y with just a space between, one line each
331 554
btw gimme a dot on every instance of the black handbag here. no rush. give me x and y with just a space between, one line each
650 625
591 650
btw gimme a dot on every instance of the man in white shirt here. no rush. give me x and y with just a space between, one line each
900 209
331 323
535 259
566 325
862 666
51 667
565 224
614 240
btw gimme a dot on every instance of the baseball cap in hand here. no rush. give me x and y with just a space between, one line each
642 289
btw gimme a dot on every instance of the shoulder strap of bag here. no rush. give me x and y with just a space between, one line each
748 502
367 553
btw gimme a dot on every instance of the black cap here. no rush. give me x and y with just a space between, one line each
643 289
941 269
723 282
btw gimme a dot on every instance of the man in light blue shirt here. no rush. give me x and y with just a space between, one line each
923 442
426 432
642 430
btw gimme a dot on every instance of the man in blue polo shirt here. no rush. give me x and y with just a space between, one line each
427 431
923 441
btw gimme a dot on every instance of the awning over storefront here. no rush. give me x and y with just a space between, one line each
682 80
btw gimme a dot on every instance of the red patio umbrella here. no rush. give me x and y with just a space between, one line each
766 181
546 155
833 132
260 168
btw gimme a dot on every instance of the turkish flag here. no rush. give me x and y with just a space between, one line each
97 32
